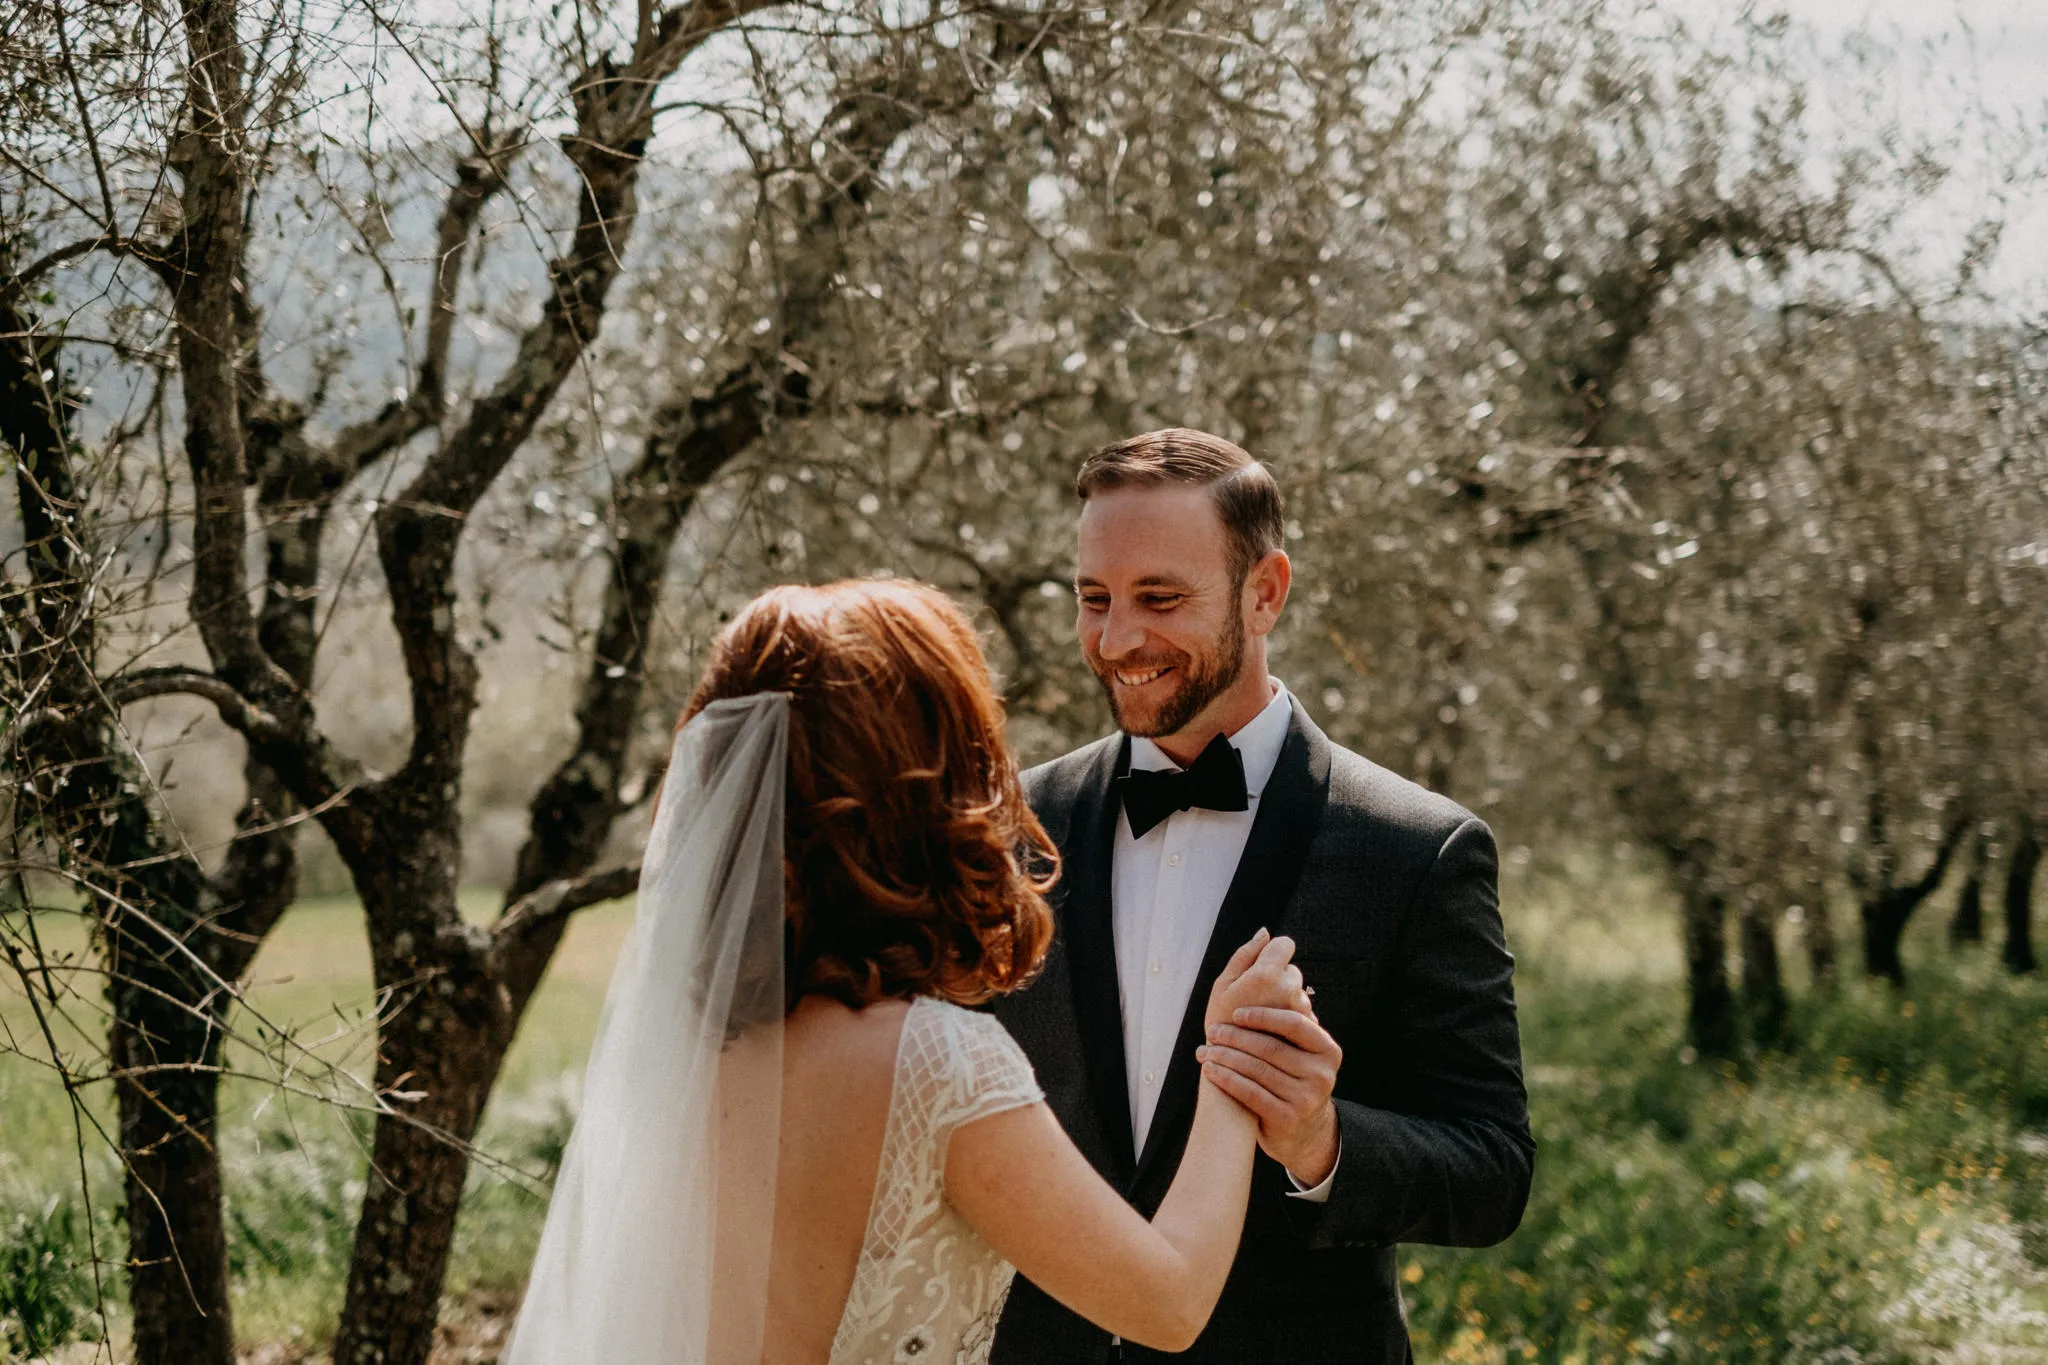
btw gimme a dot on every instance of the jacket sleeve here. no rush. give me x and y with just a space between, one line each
1449 1161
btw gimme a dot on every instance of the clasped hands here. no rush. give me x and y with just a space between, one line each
1267 1051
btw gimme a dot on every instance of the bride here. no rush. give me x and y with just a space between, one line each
799 1145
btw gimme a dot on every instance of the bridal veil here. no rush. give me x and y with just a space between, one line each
655 1250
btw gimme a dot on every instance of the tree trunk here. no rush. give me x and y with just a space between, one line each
1763 986
417 1170
1967 924
1883 927
450 1040
166 1095
1817 932
1710 1005
1817 936
2018 954
439 1054
150 901
1887 909
168 1119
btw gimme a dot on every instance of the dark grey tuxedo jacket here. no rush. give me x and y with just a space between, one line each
1389 893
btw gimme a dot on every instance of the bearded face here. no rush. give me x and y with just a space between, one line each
1161 692
1162 617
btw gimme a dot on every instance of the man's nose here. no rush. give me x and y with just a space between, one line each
1121 633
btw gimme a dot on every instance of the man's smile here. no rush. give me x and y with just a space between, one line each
1138 678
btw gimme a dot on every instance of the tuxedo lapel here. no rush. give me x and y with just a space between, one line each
1290 808
1091 951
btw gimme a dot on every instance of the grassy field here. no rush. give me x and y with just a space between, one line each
1879 1194
294 1160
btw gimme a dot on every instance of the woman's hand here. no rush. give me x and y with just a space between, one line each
1266 1050
1259 974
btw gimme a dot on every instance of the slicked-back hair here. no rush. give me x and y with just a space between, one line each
1243 490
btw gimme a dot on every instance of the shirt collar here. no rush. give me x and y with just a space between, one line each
1258 743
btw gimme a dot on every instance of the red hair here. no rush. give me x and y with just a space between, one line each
914 865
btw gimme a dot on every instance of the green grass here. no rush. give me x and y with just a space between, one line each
1873 1195
293 1163
1879 1194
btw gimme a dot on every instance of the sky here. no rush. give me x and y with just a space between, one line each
1941 60
2002 45
1951 54
1935 61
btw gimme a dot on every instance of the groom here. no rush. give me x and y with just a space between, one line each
1396 1112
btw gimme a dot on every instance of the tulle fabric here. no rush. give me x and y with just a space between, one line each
655 1250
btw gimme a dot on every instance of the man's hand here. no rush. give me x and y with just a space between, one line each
1281 1065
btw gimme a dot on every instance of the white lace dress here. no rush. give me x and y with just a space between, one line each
927 1288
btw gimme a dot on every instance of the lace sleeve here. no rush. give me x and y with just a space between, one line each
927 1288
992 1073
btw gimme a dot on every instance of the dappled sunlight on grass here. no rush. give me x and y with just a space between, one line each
1589 915
1873 1204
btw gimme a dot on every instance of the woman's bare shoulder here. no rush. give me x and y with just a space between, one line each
856 1045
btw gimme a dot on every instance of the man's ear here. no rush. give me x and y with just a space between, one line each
1266 591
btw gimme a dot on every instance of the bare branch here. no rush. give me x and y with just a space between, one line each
86 125
150 253
692 439
311 770
547 905
478 177
208 260
237 710
417 533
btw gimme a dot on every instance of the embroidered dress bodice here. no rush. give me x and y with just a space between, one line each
927 1288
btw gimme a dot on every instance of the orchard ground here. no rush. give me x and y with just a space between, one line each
1878 1192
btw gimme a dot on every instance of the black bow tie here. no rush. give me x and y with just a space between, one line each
1214 782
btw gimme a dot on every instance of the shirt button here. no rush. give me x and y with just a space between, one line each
1150 1076
1156 966
1173 860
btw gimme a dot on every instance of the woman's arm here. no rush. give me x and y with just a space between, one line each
1022 1184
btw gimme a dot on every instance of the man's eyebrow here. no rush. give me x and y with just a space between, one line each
1147 581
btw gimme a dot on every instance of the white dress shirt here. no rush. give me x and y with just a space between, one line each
1165 892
